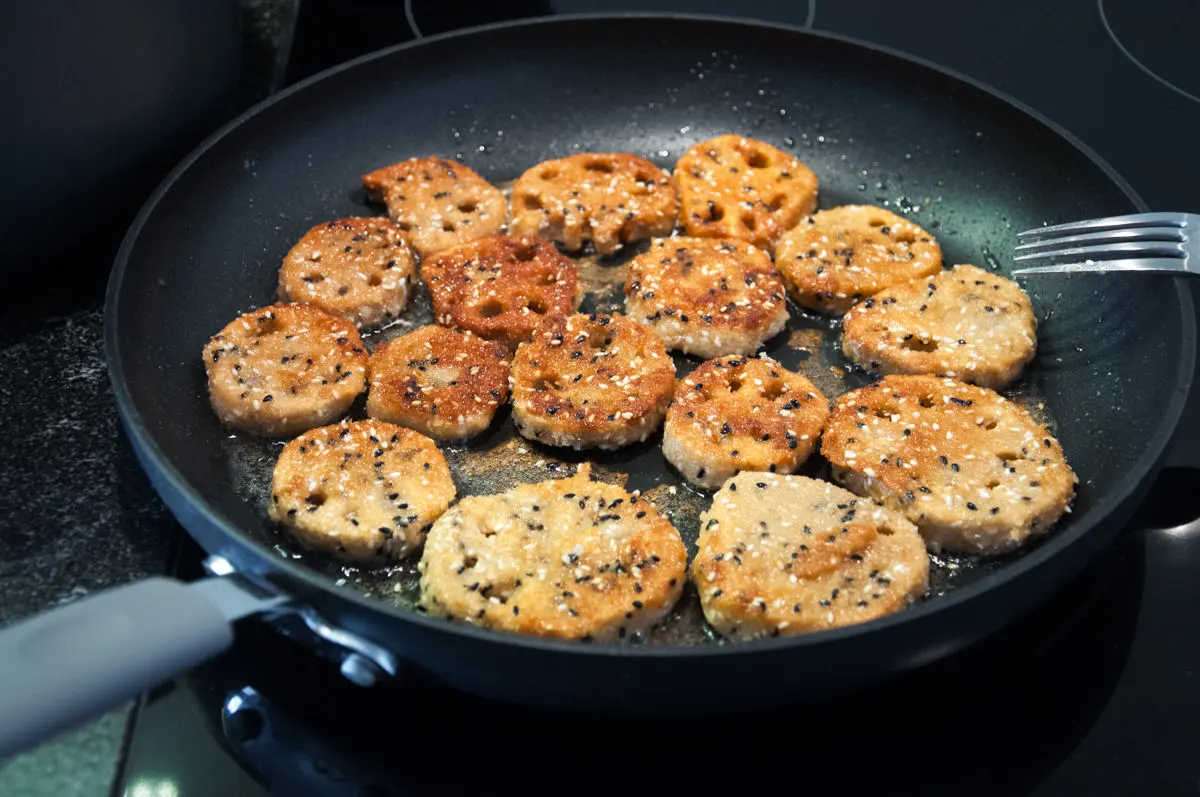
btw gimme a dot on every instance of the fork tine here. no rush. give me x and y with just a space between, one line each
1126 234
1109 251
1160 265
1132 220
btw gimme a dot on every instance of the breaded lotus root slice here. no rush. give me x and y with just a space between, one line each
281 369
965 323
609 199
787 555
591 381
439 203
445 383
735 187
361 491
742 414
971 469
569 559
356 268
705 296
500 288
836 257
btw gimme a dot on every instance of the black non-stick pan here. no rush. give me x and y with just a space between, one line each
1111 376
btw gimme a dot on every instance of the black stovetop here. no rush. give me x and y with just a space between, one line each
1096 693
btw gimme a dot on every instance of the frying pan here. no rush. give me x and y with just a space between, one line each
1114 366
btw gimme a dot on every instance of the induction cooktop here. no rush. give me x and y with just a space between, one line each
1096 693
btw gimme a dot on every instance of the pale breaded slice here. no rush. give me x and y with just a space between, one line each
971 469
966 323
356 268
439 203
445 383
736 187
569 558
500 288
783 555
595 381
281 369
609 199
360 490
747 414
705 296
836 257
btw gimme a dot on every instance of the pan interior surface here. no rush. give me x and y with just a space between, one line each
876 129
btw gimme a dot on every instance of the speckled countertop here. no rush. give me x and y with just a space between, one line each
77 514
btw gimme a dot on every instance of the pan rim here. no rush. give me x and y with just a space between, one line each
1140 469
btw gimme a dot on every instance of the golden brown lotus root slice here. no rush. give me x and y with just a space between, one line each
609 199
787 555
281 369
568 559
360 490
439 203
836 257
501 288
965 323
598 381
356 268
705 296
736 187
445 383
742 414
971 469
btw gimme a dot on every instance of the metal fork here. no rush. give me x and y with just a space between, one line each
1152 243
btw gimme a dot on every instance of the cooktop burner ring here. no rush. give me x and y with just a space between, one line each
410 17
1108 28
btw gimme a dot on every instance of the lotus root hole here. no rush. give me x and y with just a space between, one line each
772 390
916 344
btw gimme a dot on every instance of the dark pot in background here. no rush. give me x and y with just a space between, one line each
100 100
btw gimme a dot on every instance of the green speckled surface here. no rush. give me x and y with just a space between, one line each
86 519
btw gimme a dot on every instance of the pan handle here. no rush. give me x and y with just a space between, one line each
67 665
